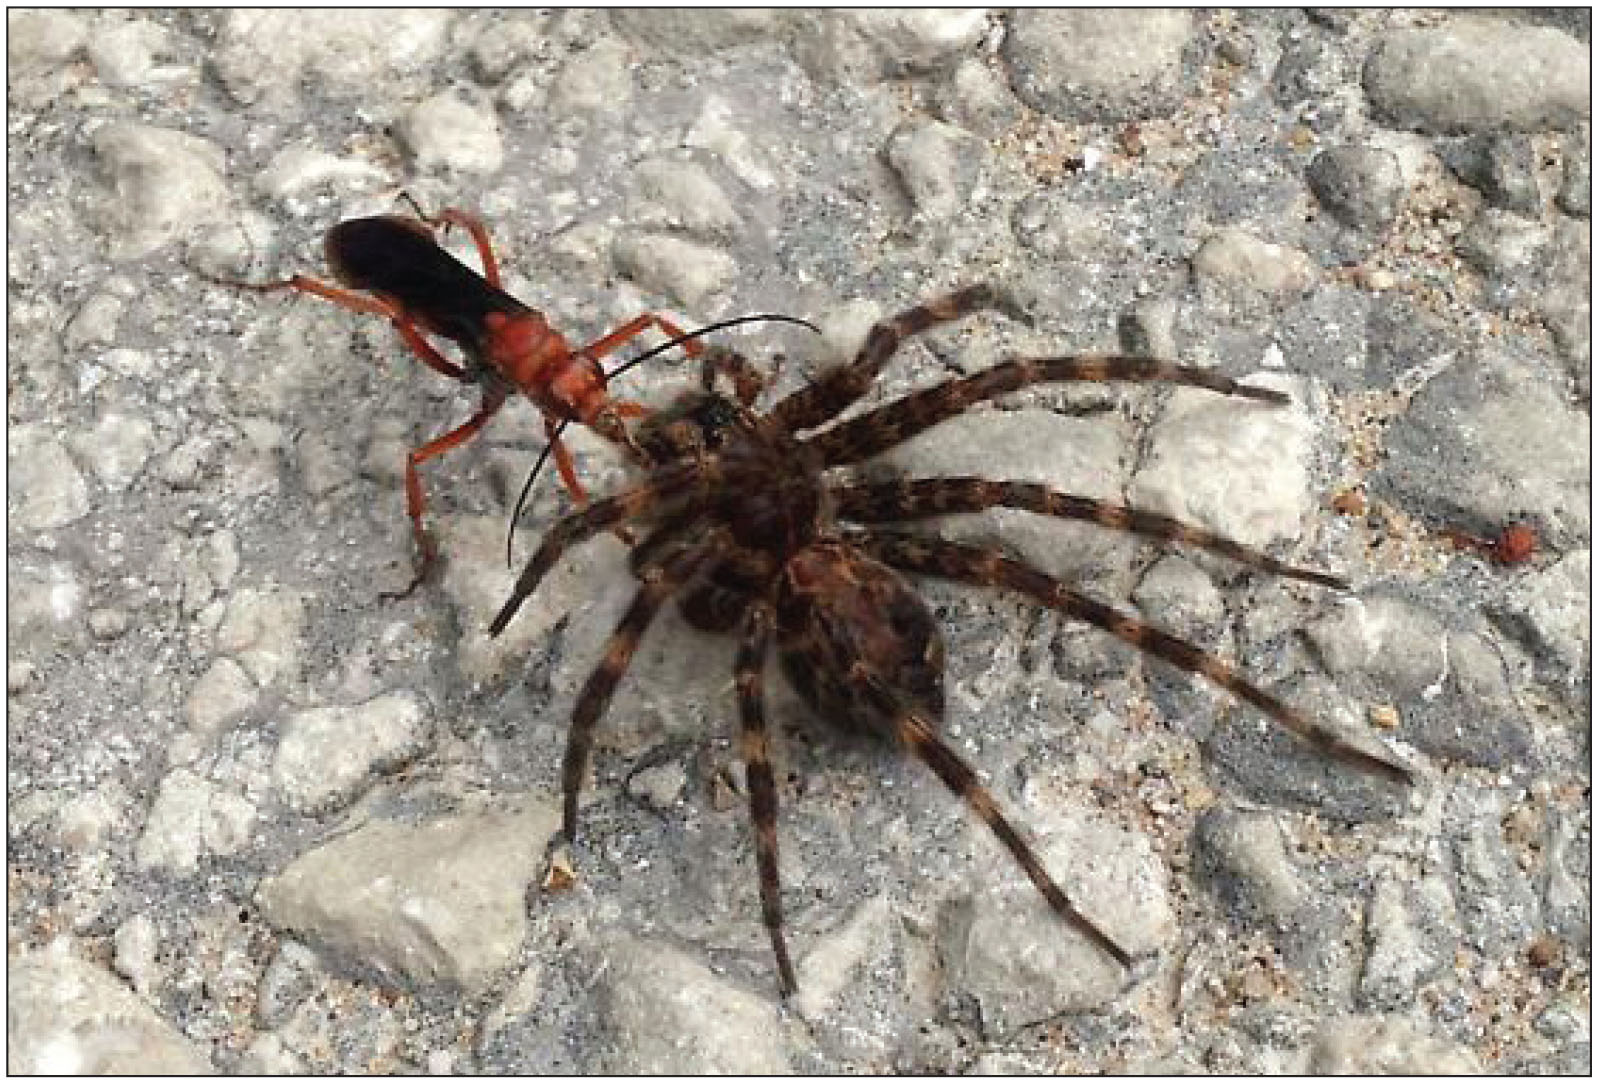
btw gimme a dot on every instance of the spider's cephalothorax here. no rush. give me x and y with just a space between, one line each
751 534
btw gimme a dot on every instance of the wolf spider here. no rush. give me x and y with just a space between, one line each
749 531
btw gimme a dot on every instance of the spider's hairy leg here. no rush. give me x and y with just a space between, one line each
837 388
921 736
880 429
660 580
908 499
984 567
747 380
755 746
664 486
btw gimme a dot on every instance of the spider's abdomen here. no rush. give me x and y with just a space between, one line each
840 613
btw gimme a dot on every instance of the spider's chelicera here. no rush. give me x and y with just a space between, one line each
751 534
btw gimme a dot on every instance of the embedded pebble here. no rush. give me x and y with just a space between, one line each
1445 678
1022 963
85 821
1176 595
297 169
599 80
45 488
1237 261
911 40
279 58
978 100
1555 607
1479 76
667 1014
1500 243
661 786
678 193
1503 168
688 272
1097 66
327 756
440 904
66 1017
1488 442
261 630
123 53
938 164
1361 186
1239 468
1386 1045
162 183
95 322
115 449
44 602
1148 329
447 131
1242 857
193 818
42 38
137 941
221 695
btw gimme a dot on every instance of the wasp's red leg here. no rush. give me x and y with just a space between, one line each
607 344
451 216
416 502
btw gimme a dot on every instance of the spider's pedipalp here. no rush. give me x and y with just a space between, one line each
878 430
908 499
577 527
834 391
972 564
660 579
921 737
754 744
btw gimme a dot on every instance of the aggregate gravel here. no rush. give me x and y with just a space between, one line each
263 817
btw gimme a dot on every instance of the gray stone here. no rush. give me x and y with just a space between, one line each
1480 76
1235 262
1361 186
938 164
193 818
447 131
221 695
1242 857
1005 947
1503 168
1400 954
687 271
1239 468
262 631
679 194
116 449
66 1017
1503 244
1511 444
667 1014
437 905
1100 67
45 489
327 756
162 183
274 57
1386 1045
